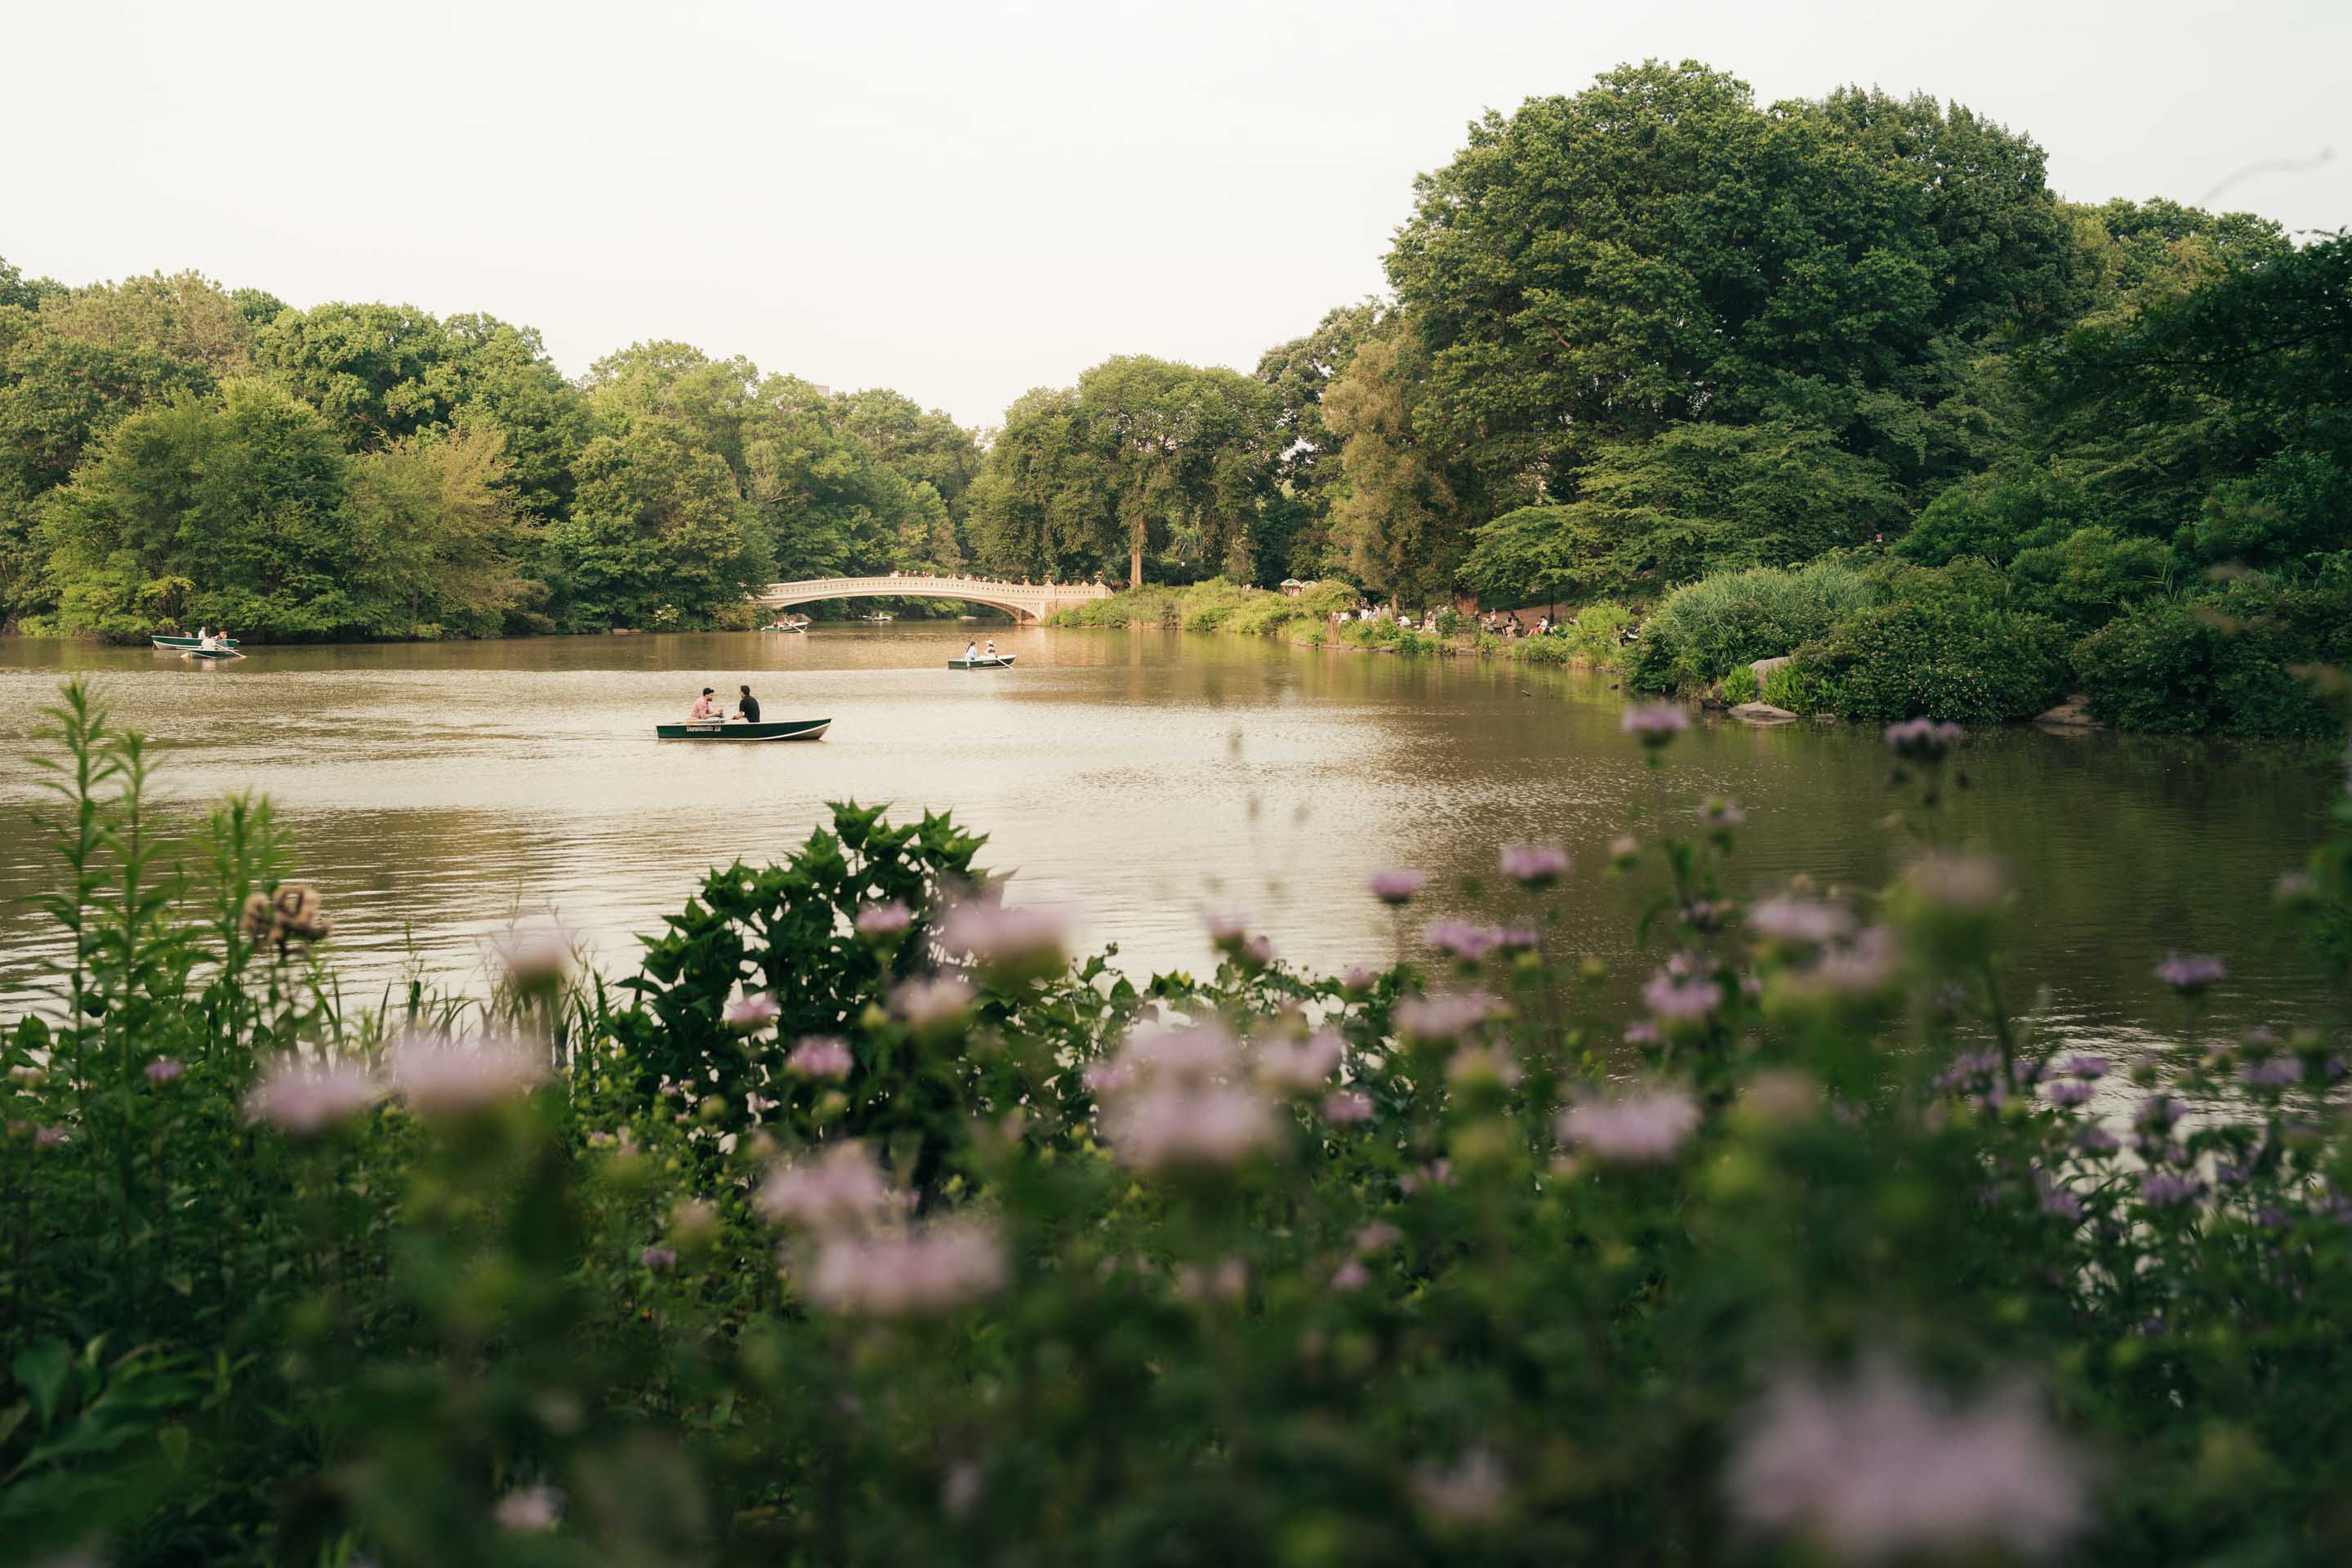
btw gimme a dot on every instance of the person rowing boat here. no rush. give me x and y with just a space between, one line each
747 706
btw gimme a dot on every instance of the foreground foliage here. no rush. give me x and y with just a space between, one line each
863 1225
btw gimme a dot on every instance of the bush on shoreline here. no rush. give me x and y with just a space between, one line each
865 1224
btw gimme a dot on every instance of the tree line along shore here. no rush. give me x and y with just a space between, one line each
1841 378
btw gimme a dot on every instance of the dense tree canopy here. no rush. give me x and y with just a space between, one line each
171 451
1640 334
1143 456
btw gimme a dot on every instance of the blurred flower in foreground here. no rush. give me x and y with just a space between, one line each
1472 1491
842 1187
1347 1107
1534 865
1719 812
535 953
308 1097
926 1003
1395 887
529 1509
1881 1466
750 1013
1923 740
657 1258
1459 939
1167 1101
1017 940
164 1070
1304 1066
907 1273
821 1056
1799 921
1653 723
1438 1019
2191 973
878 922
438 1074
1640 1127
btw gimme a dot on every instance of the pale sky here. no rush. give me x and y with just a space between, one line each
967 200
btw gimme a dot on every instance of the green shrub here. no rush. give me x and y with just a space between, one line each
1797 689
1740 686
1954 659
1698 633
2226 662
2082 582
1596 631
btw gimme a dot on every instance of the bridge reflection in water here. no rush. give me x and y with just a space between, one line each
1023 601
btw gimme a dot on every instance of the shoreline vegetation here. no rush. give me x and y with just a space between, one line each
1840 380
867 1222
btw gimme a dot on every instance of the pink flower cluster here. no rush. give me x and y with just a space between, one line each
306 1098
1882 1468
917 1272
821 1056
999 937
1174 1097
1640 1127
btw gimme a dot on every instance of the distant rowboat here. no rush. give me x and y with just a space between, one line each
781 730
210 655
1002 662
181 645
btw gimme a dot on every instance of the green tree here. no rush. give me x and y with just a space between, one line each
1699 499
1296 535
1393 510
659 534
229 508
442 522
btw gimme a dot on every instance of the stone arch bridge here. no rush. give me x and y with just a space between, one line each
1023 601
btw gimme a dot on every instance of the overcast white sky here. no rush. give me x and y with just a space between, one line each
967 200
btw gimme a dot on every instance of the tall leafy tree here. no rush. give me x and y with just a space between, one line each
1393 512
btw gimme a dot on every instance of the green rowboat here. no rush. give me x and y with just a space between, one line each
1002 662
781 730
181 645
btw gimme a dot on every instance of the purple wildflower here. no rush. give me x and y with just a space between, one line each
2086 1068
305 1099
905 1274
2070 1091
1396 888
2191 973
750 1013
1440 1018
1923 740
47 1137
1882 1468
1351 1276
658 1258
164 1070
1654 724
820 1057
1534 865
1644 1127
1025 939
929 1003
2273 1072
2162 1189
531 1509
1806 923
1346 1108
1459 939
880 923
1678 1001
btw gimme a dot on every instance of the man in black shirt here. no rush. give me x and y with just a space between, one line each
747 708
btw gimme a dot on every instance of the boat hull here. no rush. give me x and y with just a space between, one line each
782 730
210 655
1002 662
183 645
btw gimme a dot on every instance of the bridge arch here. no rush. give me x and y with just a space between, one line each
1021 601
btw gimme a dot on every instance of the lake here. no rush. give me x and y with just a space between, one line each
1141 778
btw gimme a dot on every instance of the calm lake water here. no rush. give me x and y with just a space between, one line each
1141 779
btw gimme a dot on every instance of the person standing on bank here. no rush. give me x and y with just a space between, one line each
747 706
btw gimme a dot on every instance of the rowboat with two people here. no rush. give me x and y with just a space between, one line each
708 721
173 644
976 657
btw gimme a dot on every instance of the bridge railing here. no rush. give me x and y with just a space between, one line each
821 588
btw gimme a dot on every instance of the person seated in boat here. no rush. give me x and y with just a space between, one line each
702 712
747 706
991 652
971 651
206 640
